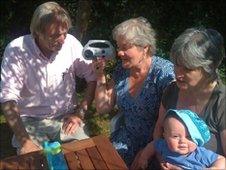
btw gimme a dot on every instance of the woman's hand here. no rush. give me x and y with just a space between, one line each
140 161
165 165
71 124
99 65
168 166
104 93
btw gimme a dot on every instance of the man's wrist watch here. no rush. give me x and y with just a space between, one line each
100 84
80 112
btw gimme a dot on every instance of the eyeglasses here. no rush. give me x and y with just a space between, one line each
124 47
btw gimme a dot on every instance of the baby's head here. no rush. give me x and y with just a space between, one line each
184 131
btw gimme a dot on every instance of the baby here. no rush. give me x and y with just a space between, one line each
184 135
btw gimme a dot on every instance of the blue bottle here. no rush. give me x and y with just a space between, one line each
54 155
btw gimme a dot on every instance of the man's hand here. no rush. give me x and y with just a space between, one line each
28 146
71 124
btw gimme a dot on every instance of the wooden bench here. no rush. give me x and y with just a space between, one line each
92 153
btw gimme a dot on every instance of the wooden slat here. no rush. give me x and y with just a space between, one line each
9 165
96 158
38 161
72 161
77 145
23 163
33 160
108 153
1 164
84 159
16 163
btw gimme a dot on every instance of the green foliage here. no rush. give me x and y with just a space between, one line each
2 118
222 71
3 42
168 19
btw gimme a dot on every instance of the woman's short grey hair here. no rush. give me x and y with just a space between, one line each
46 14
136 31
199 47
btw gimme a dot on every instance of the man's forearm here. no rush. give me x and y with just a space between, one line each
11 112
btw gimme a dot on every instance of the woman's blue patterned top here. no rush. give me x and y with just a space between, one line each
141 111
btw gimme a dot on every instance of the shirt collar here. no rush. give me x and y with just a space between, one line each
41 55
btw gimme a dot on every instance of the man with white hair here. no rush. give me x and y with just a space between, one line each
38 82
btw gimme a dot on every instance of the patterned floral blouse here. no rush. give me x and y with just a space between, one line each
139 112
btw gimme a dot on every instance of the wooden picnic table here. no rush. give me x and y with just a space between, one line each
92 153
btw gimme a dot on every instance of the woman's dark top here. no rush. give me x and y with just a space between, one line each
214 112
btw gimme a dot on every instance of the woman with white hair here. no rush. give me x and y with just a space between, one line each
136 87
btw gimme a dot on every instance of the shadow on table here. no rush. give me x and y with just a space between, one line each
6 148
